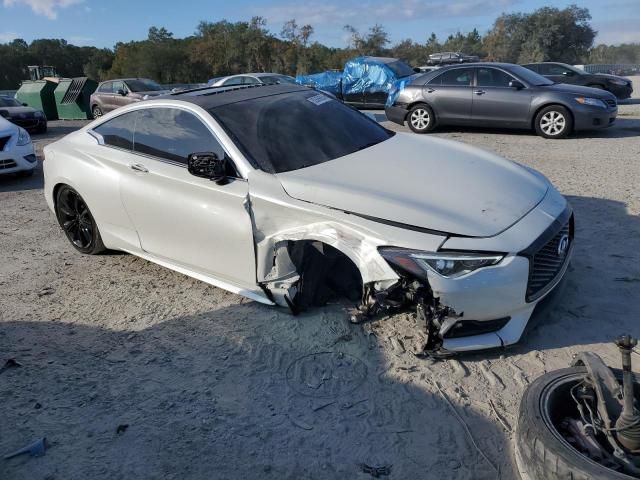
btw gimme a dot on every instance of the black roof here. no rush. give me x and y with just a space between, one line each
211 97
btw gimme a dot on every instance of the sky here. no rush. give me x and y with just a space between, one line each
103 23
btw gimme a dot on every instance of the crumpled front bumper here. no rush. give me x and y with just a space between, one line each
488 308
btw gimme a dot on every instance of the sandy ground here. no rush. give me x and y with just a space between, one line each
211 385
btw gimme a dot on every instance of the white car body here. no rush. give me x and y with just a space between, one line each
250 79
15 158
405 192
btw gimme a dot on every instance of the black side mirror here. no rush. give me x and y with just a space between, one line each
417 70
208 165
25 104
516 84
122 92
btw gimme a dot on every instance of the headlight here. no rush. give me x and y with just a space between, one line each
23 137
445 264
594 102
615 81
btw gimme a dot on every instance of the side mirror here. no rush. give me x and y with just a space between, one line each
122 92
567 73
25 104
516 84
417 70
208 165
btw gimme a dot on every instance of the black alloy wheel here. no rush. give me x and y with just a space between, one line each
77 222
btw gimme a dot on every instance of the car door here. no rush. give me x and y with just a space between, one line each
449 94
120 100
496 103
187 220
105 97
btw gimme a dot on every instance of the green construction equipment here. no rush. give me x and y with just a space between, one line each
72 98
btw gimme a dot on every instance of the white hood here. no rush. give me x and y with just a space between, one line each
423 182
7 128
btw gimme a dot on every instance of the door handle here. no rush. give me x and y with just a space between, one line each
430 90
479 92
138 168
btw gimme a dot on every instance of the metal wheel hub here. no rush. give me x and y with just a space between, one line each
553 123
420 118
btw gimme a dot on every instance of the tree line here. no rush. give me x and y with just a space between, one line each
223 48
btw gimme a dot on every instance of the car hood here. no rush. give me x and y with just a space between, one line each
18 110
7 128
611 77
580 90
428 183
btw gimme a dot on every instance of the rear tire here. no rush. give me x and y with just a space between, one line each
421 118
540 453
76 221
553 121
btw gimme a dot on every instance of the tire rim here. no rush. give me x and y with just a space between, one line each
75 219
97 112
420 119
553 123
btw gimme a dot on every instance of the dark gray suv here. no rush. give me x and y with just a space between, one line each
498 95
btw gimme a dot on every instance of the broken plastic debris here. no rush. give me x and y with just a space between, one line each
36 449
10 363
376 472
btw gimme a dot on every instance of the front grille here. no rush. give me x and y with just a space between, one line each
3 142
611 102
547 262
4 164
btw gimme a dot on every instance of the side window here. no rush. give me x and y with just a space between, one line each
555 69
533 67
234 81
492 77
460 77
544 69
106 87
251 81
118 132
118 86
173 134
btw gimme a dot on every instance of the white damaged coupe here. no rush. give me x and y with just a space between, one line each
289 197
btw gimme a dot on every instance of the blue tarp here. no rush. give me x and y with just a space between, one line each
398 86
327 81
361 74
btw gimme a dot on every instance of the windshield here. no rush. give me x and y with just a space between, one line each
280 133
529 76
401 69
9 102
144 85
276 79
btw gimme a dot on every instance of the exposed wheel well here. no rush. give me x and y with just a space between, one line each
326 274
535 114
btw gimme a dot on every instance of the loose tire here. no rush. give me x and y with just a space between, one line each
77 222
553 121
421 118
96 111
541 452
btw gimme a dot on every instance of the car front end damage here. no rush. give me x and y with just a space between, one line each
467 293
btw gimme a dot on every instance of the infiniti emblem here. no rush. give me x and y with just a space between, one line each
563 245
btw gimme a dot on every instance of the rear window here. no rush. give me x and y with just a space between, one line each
285 132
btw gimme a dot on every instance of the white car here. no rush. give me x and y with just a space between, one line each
286 196
251 79
17 154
